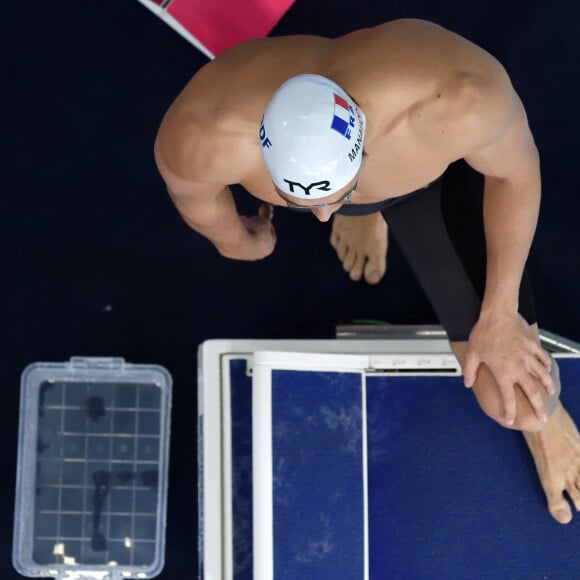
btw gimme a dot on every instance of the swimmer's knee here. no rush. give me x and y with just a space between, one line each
527 422
491 402
488 396
526 419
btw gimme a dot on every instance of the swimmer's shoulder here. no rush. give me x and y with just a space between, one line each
211 129
207 132
205 150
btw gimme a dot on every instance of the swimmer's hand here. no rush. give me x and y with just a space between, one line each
259 237
508 346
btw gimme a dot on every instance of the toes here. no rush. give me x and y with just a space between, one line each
356 270
341 250
559 508
349 260
574 496
375 270
352 262
334 239
562 515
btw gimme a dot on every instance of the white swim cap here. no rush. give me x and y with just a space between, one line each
312 137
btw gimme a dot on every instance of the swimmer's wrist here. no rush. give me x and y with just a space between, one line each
501 296
228 247
232 241
500 303
498 309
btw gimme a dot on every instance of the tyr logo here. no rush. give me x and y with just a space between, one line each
320 185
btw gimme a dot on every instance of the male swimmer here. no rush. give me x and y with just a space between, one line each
404 125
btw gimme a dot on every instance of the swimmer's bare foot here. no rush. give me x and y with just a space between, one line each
361 245
556 452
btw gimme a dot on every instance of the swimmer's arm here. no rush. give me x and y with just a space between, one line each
512 194
210 210
501 339
480 118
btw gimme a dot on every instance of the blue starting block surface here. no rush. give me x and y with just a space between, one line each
318 475
386 476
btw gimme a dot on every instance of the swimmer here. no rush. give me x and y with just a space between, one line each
404 128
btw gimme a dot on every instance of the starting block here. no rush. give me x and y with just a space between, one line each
365 457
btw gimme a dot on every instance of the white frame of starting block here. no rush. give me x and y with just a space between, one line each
430 350
378 350
264 362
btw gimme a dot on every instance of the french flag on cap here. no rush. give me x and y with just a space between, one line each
342 120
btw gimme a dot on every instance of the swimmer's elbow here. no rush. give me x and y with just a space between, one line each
180 185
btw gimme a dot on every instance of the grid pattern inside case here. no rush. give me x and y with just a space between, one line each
97 474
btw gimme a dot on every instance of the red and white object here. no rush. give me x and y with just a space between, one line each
213 26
